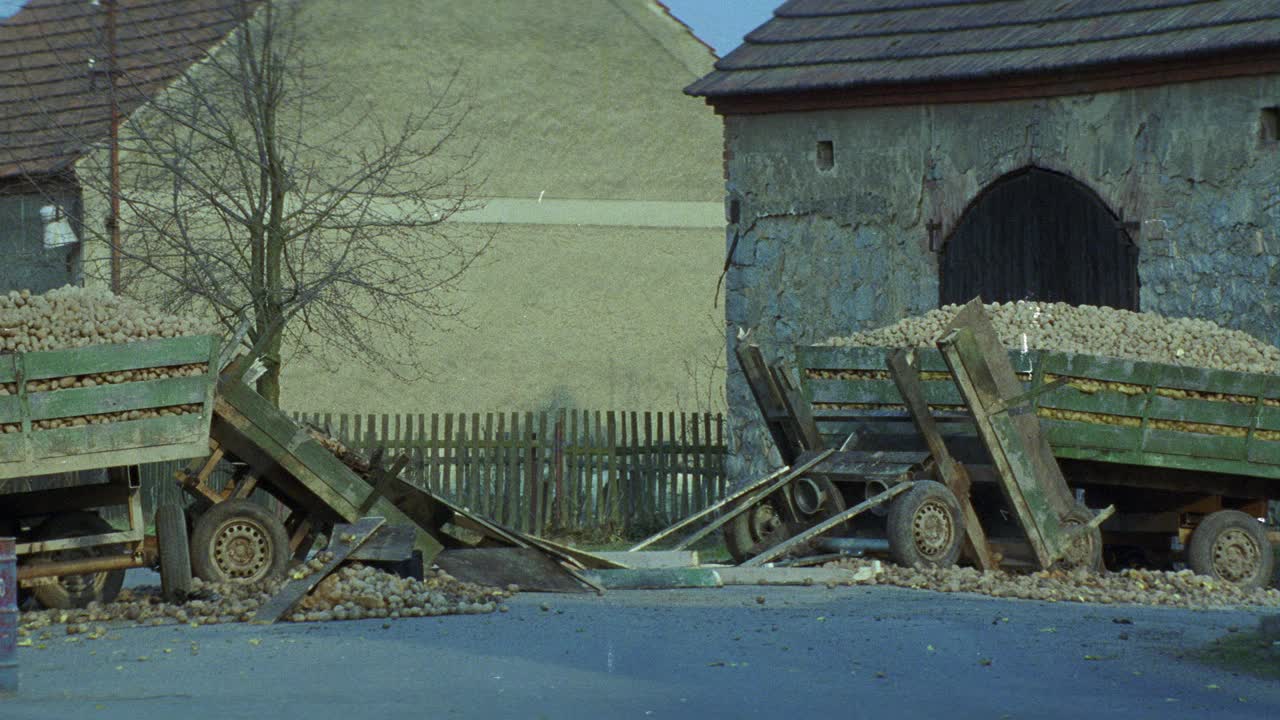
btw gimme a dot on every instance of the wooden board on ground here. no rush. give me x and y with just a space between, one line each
656 578
585 559
530 568
654 558
797 576
342 545
390 544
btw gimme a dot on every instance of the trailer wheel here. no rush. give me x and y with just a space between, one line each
925 526
771 521
76 591
175 552
1086 552
238 541
1232 547
758 528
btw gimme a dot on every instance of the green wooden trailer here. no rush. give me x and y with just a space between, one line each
68 555
1189 456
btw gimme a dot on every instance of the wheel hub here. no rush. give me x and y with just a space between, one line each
242 550
1235 556
932 529
764 521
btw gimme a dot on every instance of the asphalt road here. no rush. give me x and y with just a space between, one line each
804 652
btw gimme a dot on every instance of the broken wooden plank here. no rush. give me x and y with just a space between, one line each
583 558
390 544
751 501
953 474
341 546
653 558
529 568
797 575
827 525
732 497
655 578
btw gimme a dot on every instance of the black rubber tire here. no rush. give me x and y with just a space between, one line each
1230 546
175 552
239 541
1086 552
75 591
928 510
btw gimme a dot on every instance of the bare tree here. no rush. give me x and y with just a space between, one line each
248 192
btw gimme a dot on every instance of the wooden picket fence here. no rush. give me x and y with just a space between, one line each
565 471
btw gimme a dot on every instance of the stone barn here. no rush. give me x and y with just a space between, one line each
883 158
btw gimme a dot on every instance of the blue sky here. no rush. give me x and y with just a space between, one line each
722 23
9 7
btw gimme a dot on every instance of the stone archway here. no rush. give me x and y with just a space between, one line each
1035 234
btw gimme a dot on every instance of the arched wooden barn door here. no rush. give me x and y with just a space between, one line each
1040 235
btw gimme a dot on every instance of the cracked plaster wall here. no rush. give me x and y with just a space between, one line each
830 252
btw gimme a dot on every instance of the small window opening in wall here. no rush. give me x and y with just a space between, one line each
735 211
1270 125
826 155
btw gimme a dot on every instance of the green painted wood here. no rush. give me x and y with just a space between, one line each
8 368
1097 368
113 358
10 409
1173 442
1262 469
880 392
74 402
295 452
1269 418
1265 452
139 434
1211 412
1083 440
1067 433
1105 402
1215 381
13 449
105 459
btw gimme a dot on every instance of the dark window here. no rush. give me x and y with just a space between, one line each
1270 125
826 155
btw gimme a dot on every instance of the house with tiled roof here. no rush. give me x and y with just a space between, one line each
884 157
603 185
57 100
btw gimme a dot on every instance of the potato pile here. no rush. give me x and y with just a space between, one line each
1093 330
1182 588
72 317
354 592
1097 331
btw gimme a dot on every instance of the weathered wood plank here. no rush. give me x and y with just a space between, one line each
92 359
122 397
130 434
341 545
10 409
1201 411
880 392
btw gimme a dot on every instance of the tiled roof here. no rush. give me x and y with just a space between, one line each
55 96
815 45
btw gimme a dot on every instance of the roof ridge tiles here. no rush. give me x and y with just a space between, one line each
813 45
776 34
